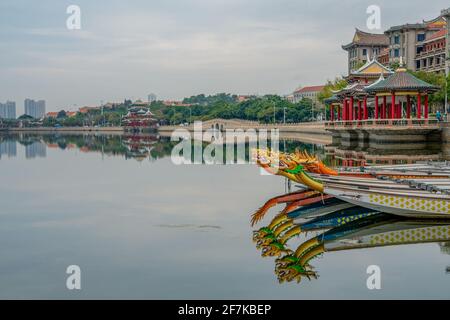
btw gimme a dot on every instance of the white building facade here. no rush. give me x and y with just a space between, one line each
8 110
35 109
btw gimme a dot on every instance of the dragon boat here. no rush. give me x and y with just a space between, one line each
420 191
406 197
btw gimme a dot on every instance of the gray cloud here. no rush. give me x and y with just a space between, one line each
177 48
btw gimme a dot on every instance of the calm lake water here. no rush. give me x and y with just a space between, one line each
141 227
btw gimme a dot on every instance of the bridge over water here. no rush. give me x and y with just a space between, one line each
234 124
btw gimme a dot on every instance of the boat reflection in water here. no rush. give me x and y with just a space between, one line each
338 226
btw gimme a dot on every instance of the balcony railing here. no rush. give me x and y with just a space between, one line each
435 67
432 52
384 124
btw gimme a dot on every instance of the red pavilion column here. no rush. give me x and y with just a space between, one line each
376 108
384 107
393 106
352 108
331 113
360 115
349 116
408 107
426 107
419 106
344 110
366 114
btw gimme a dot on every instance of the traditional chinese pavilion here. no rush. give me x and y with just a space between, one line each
351 103
397 92
390 96
138 119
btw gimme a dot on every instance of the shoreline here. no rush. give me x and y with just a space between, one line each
286 133
66 129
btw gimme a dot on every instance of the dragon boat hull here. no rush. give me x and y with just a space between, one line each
400 204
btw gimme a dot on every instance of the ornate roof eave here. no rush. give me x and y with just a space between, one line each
350 92
362 44
401 81
333 99
370 62
406 89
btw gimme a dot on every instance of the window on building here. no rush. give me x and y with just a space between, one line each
396 53
421 37
364 52
418 64
397 40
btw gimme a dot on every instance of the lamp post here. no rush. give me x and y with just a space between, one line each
103 117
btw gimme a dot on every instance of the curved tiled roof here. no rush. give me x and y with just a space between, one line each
368 39
439 34
356 88
401 81
331 99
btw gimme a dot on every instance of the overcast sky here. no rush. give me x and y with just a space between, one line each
178 48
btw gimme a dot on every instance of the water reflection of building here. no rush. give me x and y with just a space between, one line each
35 149
139 146
340 156
8 148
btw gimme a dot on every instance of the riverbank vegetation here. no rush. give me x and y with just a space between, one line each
266 109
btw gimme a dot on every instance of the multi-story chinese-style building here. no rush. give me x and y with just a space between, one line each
139 119
363 46
421 46
432 55
446 14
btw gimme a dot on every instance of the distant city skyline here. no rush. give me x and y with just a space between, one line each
180 48
33 108
8 110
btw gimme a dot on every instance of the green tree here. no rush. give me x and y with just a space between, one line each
436 79
335 85
61 114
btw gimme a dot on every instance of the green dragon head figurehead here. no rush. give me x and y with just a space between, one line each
275 249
